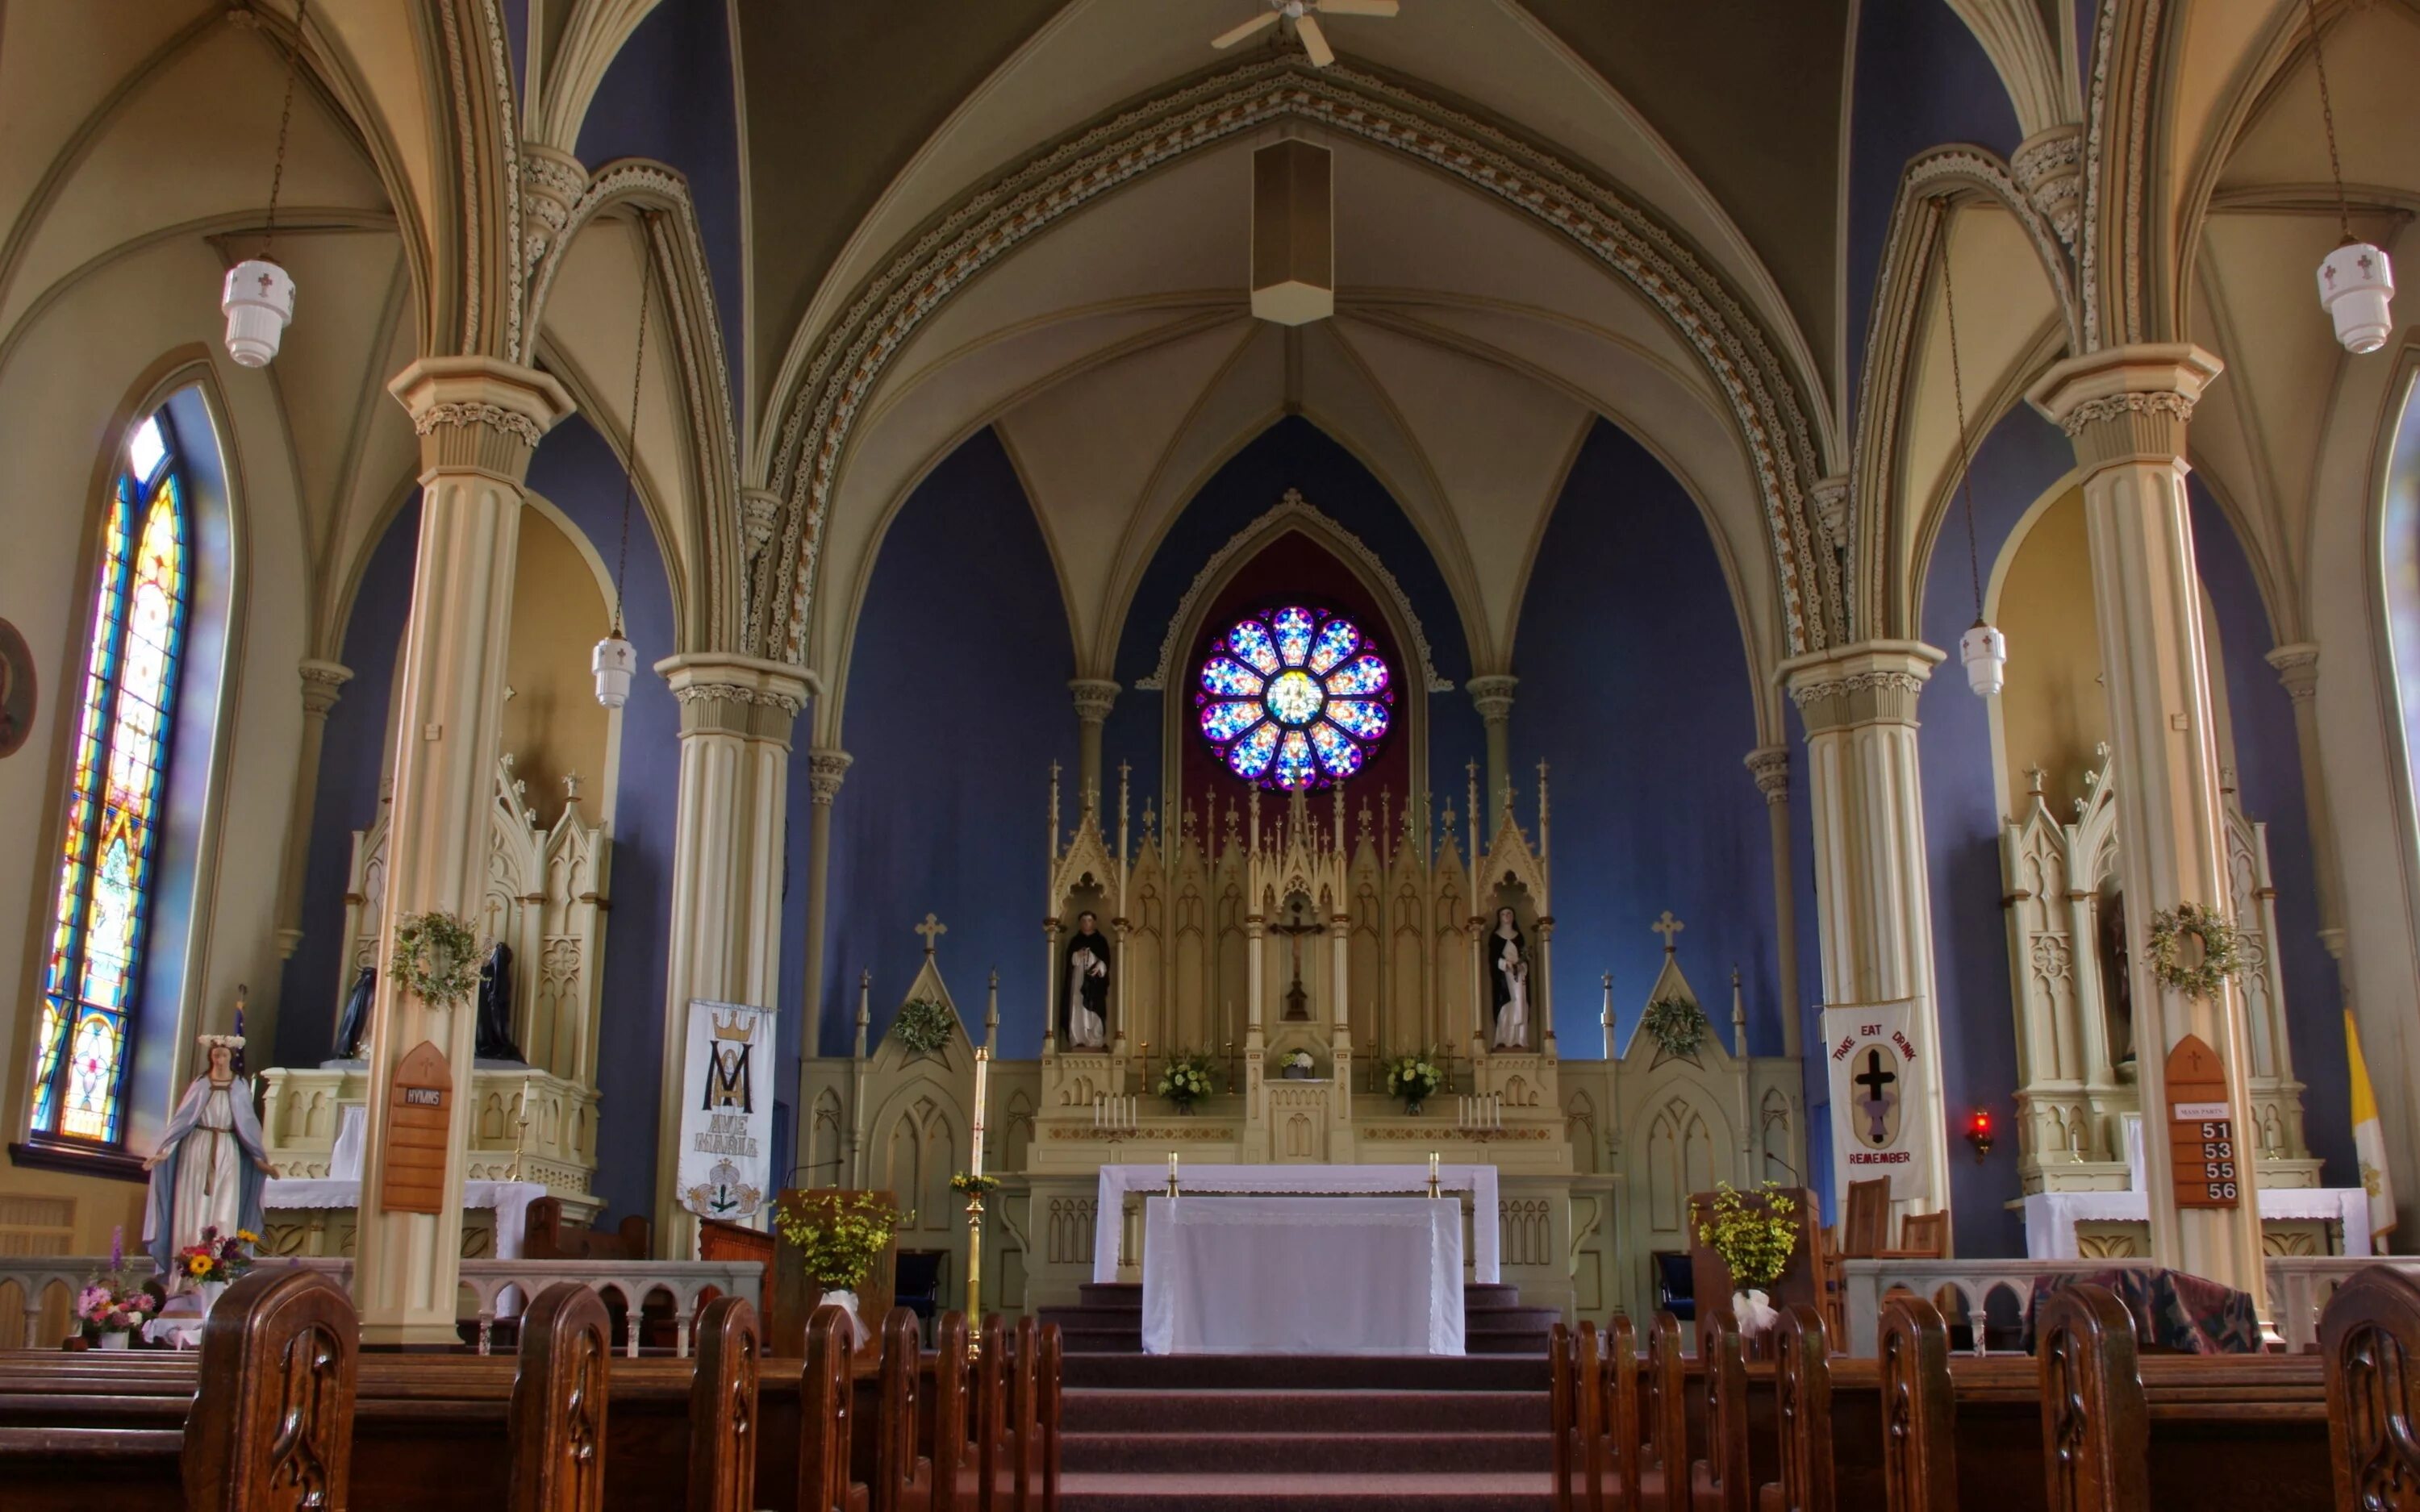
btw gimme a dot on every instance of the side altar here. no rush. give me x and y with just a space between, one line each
533 1118
1293 945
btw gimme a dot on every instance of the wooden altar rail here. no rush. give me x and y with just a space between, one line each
490 1289
562 1428
2085 1425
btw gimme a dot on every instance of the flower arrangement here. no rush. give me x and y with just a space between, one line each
215 1258
1677 1025
1185 1080
1296 1064
111 1304
436 957
1752 1232
967 1184
1415 1078
2194 951
924 1026
838 1237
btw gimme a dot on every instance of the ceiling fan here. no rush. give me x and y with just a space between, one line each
1305 15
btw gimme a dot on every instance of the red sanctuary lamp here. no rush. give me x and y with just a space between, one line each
1978 1133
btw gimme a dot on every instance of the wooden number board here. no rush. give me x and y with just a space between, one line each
2201 1130
419 1114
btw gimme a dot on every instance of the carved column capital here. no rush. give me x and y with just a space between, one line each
552 181
826 766
2126 404
2048 167
759 508
1095 698
724 693
1770 767
1873 681
1829 497
323 682
2298 668
479 413
1492 696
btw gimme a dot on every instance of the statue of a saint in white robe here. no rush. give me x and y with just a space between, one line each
211 1163
1509 967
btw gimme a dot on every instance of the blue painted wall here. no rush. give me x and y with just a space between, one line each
2269 769
669 96
2023 457
1293 454
1634 687
957 704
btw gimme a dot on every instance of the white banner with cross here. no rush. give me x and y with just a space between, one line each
726 1119
1875 1057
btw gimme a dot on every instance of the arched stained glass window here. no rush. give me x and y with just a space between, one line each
111 852
1293 698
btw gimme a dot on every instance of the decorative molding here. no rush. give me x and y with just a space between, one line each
1293 507
322 683
2120 407
1095 698
770 698
2049 168
473 412
758 509
1493 696
826 766
1770 767
824 403
1830 497
2298 668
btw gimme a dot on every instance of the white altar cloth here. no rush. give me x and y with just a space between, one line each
510 1201
2050 1217
1478 1181
1302 1276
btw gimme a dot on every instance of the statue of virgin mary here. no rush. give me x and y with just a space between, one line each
211 1163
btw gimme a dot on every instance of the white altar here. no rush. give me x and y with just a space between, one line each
2051 1217
1477 1182
1302 1276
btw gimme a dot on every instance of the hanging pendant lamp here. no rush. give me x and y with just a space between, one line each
615 659
2357 280
1983 648
257 298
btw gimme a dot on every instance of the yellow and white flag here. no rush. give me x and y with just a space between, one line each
2369 1141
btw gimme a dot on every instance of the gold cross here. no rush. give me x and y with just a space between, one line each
931 927
1668 926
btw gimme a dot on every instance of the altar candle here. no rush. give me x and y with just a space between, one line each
982 1077
1433 1164
1172 1166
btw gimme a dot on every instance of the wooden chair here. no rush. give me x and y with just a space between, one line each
557 1417
272 1427
1719 1482
2367 1336
1802 1404
546 1236
826 1412
1919 1408
1665 1405
2096 1427
722 1409
1865 1219
1922 1236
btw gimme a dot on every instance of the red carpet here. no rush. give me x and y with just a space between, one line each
1205 1433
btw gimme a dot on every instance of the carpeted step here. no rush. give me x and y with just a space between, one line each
1278 1491
1183 1410
1327 1453
1307 1372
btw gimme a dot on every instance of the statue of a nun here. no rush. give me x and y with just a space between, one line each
1509 963
211 1161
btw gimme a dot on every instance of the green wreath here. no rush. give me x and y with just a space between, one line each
2221 950
436 957
924 1026
1678 1026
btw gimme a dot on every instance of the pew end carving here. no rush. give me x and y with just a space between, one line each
2094 1418
2368 1336
1919 1409
558 1403
271 1425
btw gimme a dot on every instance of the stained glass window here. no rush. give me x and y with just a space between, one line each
1295 698
111 847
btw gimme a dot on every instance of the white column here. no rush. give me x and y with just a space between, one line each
1770 767
726 926
2126 409
1873 892
825 767
478 421
2298 668
322 683
1095 698
1493 696
1256 1128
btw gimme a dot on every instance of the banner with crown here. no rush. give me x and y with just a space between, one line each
726 1137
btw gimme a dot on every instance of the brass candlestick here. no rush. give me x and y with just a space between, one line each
975 1276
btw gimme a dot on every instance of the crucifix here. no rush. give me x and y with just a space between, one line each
1668 926
1876 1104
1297 1001
931 928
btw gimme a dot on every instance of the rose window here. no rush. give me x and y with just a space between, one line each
1295 698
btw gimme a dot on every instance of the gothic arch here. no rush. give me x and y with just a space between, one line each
822 406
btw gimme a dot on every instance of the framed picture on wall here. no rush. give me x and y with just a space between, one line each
17 687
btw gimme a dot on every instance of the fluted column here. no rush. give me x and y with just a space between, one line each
1770 767
2125 410
726 921
1493 696
322 683
826 766
1095 698
1872 887
2298 668
478 421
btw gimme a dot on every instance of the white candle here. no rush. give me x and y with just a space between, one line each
1172 1166
1433 1165
982 1077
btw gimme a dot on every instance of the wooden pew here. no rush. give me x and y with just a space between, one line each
272 1425
2095 1422
722 1409
1918 1409
1051 1368
1664 1482
560 1395
1025 1414
1562 1418
1802 1402
2368 1336
1719 1482
827 1406
901 1478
